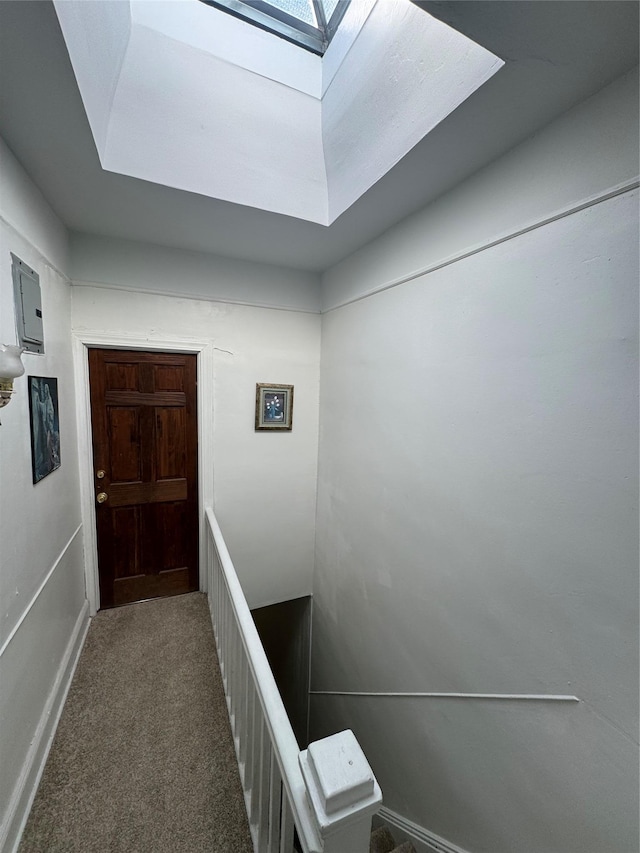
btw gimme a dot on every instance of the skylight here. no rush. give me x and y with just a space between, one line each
234 113
308 23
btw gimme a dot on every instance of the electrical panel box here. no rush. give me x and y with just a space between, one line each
28 301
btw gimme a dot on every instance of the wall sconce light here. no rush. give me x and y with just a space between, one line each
10 367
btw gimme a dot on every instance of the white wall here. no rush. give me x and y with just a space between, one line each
589 150
477 526
43 614
263 484
127 264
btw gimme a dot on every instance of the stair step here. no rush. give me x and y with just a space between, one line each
381 841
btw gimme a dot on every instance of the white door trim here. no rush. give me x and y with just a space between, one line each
82 340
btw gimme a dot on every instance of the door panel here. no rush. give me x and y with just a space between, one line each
124 432
126 542
143 409
121 377
169 450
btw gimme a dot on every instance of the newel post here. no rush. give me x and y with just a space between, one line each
342 791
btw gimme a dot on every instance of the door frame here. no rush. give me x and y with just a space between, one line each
203 349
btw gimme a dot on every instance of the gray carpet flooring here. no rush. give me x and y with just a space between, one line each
143 759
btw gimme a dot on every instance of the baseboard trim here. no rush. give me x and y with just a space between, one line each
423 840
27 784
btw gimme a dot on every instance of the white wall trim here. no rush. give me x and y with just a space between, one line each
590 201
36 594
424 840
511 697
29 779
85 460
174 294
204 349
35 248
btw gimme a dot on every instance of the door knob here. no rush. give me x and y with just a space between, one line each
102 497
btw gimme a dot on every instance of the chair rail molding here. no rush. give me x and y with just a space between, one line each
483 245
423 839
511 697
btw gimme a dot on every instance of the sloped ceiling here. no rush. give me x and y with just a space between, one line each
195 114
556 53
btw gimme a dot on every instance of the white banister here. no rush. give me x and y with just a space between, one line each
326 794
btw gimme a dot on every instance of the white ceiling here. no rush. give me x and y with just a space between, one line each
557 53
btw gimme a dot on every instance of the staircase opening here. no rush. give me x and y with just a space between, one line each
285 632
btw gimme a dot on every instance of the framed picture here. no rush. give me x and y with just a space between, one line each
45 426
274 406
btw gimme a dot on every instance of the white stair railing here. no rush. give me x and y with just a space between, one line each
327 793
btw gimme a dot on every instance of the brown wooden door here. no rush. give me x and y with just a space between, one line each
145 438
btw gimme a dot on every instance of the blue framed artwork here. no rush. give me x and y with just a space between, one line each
45 426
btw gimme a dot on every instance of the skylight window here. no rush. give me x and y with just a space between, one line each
308 23
301 9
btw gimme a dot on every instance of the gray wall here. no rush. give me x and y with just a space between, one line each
477 525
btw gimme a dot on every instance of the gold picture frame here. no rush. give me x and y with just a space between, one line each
274 406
